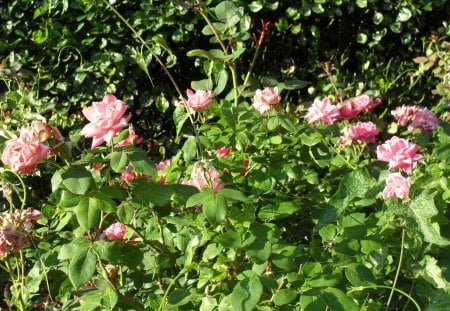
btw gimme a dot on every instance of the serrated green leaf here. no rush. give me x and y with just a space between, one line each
284 296
214 208
247 293
77 179
88 212
82 267
337 300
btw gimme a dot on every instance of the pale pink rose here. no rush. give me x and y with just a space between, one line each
204 175
348 110
397 186
425 120
223 152
400 153
29 218
106 120
266 99
132 139
23 156
359 132
323 111
364 103
116 231
404 114
163 164
199 100
128 174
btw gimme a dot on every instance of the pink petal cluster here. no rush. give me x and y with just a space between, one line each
266 99
351 107
14 227
323 111
128 174
416 118
132 139
399 153
161 166
223 152
397 186
23 153
204 175
116 231
106 120
359 132
198 100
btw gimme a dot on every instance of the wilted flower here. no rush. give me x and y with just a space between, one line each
400 153
204 175
106 120
199 100
223 151
359 132
397 186
116 231
323 111
266 99
404 114
425 120
132 139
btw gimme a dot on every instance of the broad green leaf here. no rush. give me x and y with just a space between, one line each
404 14
221 82
82 267
119 159
284 296
199 52
312 300
231 239
337 300
189 149
77 179
88 212
233 194
359 275
108 250
247 293
141 163
197 198
105 300
179 297
361 3
287 123
76 246
69 199
278 211
180 117
423 208
431 272
215 208
227 12
311 140
272 123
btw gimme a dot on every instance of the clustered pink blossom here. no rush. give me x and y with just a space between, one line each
116 231
161 167
397 186
14 228
204 175
198 100
106 120
132 139
223 152
416 118
359 132
266 99
23 153
327 112
128 174
399 153
323 111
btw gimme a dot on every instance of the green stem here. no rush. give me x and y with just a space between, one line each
387 287
250 70
22 183
398 270
185 270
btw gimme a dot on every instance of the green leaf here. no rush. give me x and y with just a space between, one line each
82 267
189 149
199 52
78 245
312 139
404 14
312 300
227 12
231 239
337 300
141 163
180 117
247 292
108 250
179 297
431 272
77 179
284 296
361 3
272 123
68 199
233 194
215 208
423 208
278 211
88 212
119 159
359 275
221 82
105 300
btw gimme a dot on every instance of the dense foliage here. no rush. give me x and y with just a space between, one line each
306 170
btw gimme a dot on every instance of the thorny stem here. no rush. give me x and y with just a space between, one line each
398 269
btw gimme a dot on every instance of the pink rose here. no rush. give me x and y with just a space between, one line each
132 139
348 110
425 120
128 174
400 153
23 156
365 102
106 120
266 99
323 111
360 132
204 175
116 231
199 100
404 114
163 164
223 152
397 186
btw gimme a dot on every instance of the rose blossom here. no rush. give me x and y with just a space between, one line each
425 120
223 152
266 99
160 167
199 100
322 111
397 186
132 139
404 114
348 109
361 131
116 231
204 175
128 174
365 102
23 155
106 120
400 153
